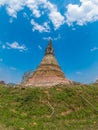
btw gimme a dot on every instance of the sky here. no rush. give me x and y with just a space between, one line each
27 25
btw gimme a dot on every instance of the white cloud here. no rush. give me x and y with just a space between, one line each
57 19
39 47
73 29
47 38
3 46
1 59
54 15
11 20
78 73
40 28
12 68
86 11
25 15
14 6
33 5
56 38
82 14
52 38
14 45
94 49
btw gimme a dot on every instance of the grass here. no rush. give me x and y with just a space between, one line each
55 108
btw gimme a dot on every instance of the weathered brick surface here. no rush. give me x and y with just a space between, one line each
48 73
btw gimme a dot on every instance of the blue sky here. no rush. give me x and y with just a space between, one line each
26 26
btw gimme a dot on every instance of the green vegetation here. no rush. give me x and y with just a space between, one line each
56 108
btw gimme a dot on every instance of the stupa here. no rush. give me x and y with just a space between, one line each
48 73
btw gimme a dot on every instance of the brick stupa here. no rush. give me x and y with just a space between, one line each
48 72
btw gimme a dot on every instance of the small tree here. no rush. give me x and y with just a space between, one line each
2 82
25 77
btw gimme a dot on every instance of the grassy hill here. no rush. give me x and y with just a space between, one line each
56 108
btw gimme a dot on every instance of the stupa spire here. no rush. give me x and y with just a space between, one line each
49 49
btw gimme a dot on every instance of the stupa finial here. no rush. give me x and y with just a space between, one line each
49 49
50 41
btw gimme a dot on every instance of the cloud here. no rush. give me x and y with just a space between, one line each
39 47
94 49
33 5
54 15
3 46
40 28
12 6
56 38
12 68
25 15
1 59
81 14
37 8
53 38
57 19
78 73
14 45
47 38
11 20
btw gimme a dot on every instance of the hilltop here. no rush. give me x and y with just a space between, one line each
56 108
